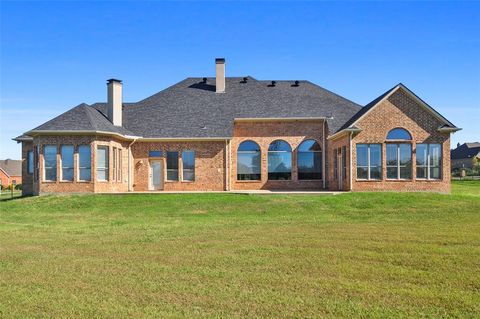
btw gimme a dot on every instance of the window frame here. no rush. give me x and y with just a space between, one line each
255 153
268 161
106 168
188 169
398 166
369 163
80 167
62 167
53 167
30 163
427 166
172 169
319 152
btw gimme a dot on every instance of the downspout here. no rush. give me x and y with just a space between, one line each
323 156
351 160
130 188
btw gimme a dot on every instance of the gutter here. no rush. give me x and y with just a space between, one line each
351 160
344 131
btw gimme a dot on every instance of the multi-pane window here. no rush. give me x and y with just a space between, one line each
30 162
66 152
279 161
188 160
344 162
114 172
119 165
399 161
369 161
429 158
335 163
172 166
50 160
248 161
102 163
84 163
309 160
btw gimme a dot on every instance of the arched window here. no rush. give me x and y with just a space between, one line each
309 160
248 161
279 161
399 155
399 134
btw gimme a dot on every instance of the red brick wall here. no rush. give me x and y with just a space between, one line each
263 133
209 165
343 144
401 110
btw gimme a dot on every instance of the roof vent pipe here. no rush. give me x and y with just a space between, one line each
220 75
114 101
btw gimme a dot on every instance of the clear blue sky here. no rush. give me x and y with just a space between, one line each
55 55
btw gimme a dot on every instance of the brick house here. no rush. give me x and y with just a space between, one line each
10 172
466 155
234 133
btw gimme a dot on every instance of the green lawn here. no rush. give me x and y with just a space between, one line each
223 255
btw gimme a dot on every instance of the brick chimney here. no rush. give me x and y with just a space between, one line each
220 75
114 101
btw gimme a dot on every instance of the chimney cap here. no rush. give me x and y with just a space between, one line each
219 60
113 80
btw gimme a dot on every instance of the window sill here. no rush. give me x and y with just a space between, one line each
309 180
280 180
429 180
249 181
188 181
66 181
49 182
84 181
399 180
171 181
369 180
102 181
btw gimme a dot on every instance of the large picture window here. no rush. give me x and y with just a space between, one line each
50 160
279 161
102 163
369 161
172 166
309 160
188 160
84 163
429 159
399 161
248 161
66 152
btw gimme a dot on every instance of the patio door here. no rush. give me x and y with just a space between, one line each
156 175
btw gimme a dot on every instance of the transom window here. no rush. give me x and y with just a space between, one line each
399 134
309 160
399 161
248 161
369 161
429 159
279 161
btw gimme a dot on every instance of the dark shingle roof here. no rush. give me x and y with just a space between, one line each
466 150
11 167
191 108
82 118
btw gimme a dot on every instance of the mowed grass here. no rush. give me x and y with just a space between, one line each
224 256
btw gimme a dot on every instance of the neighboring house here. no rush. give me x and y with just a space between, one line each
234 133
465 155
10 172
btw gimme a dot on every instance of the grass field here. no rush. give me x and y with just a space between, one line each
370 255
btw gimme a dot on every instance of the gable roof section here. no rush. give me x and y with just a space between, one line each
80 119
466 150
370 106
11 167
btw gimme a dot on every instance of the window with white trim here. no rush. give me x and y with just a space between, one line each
50 162
429 159
188 161
248 161
84 163
369 161
309 160
66 152
279 161
399 161
102 163
172 166
30 162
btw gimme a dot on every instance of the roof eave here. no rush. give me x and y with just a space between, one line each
343 132
448 129
81 132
